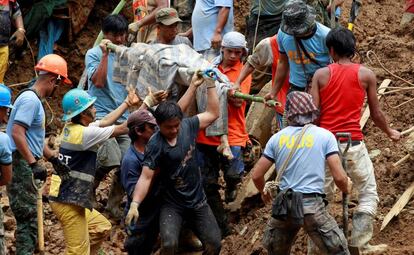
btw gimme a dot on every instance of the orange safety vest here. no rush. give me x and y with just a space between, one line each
281 96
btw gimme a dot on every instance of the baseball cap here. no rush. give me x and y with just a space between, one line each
140 117
167 16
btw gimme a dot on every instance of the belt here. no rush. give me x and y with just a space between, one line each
309 195
296 88
353 143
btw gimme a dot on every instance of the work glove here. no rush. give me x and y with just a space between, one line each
153 99
18 36
133 214
39 171
61 169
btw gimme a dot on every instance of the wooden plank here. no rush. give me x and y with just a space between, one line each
365 115
398 206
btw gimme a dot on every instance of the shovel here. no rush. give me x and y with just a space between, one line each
345 197
356 5
39 185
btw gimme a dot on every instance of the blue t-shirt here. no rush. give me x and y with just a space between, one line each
112 94
28 112
305 172
204 21
315 46
131 168
5 149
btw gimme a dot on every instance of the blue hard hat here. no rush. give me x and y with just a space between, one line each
74 102
5 96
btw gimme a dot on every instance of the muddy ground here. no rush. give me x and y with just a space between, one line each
377 29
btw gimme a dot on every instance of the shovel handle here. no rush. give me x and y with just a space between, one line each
39 185
348 137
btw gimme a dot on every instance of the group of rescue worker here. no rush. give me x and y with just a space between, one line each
164 161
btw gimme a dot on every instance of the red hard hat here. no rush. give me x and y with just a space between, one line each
53 63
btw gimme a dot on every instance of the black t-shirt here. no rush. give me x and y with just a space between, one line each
179 171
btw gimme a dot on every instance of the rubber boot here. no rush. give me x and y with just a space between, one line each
188 241
231 189
362 231
216 205
116 194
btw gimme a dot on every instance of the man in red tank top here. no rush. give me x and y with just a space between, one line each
339 91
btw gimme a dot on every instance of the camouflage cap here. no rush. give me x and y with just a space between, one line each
167 16
298 18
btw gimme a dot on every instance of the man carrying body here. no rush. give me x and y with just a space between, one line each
5 156
299 202
210 159
143 235
339 91
110 95
265 55
26 128
211 20
9 11
172 152
302 47
167 33
71 191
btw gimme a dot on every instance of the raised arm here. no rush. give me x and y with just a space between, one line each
281 75
189 95
99 76
212 111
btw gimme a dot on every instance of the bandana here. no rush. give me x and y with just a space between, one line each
300 109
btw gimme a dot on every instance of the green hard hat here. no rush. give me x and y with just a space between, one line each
74 102
5 96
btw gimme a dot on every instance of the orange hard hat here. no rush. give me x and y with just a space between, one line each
53 63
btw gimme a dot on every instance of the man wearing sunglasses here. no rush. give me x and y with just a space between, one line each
26 129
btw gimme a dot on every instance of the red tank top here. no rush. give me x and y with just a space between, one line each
281 96
341 101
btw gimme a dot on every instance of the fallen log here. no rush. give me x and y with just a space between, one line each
398 206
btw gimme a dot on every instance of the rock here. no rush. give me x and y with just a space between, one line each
374 153
387 152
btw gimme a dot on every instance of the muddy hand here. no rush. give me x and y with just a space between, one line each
133 214
216 41
394 135
266 196
153 99
104 45
197 79
132 98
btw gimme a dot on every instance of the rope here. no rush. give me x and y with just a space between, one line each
257 25
370 52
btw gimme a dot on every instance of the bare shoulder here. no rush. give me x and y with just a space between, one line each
322 75
366 73
367 77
